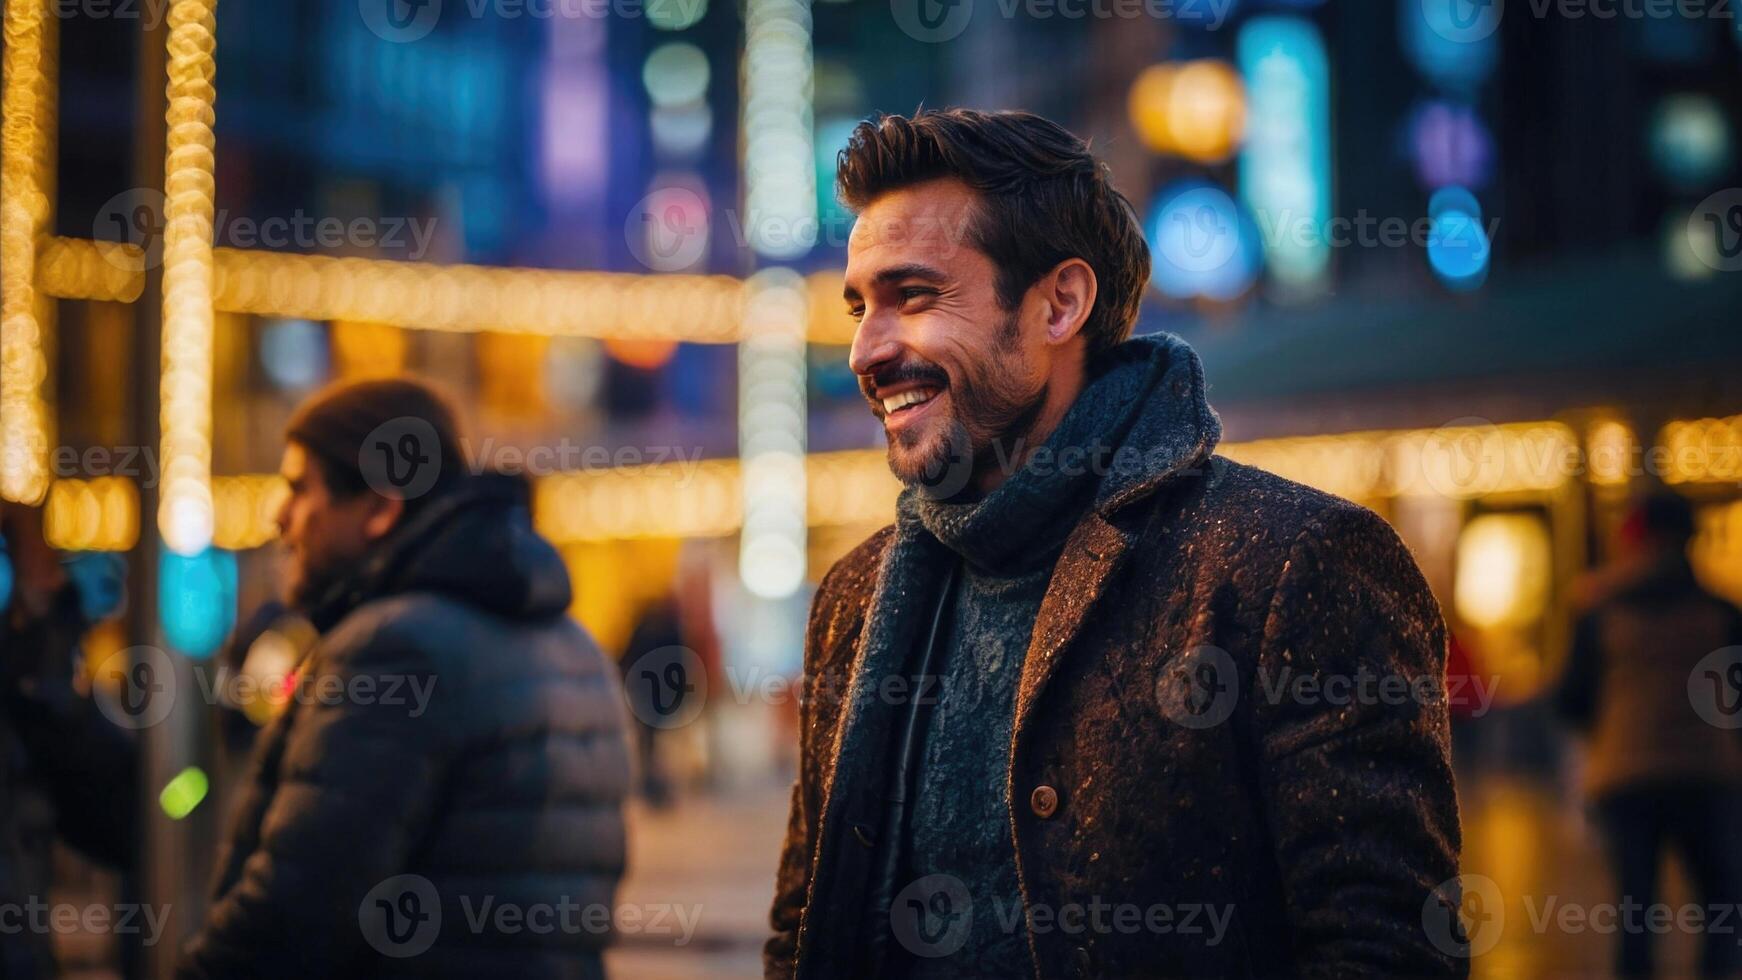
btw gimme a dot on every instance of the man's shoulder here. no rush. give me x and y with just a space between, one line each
1253 503
853 577
425 629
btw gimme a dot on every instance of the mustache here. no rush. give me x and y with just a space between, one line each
905 371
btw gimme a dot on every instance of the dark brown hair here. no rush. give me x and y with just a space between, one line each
1043 199
336 423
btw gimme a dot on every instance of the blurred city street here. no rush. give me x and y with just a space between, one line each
714 853
720 853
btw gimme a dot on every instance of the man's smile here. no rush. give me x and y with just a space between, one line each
904 403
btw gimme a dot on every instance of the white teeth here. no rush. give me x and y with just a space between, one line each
912 397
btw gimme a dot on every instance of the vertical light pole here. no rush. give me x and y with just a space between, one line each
176 151
26 216
184 512
780 221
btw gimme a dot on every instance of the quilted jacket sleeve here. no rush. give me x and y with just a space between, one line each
360 773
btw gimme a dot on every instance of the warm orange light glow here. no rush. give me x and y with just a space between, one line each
1193 109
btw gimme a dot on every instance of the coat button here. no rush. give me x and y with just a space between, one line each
1044 801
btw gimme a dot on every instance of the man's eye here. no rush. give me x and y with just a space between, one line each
914 292
856 312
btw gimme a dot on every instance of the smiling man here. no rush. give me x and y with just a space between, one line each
1049 729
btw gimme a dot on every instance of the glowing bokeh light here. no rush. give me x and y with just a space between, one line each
1450 145
1690 139
1285 165
647 355
1451 42
681 130
197 600
676 73
26 210
771 435
1454 199
1201 243
1458 249
1503 571
1194 109
184 792
780 204
293 353
184 515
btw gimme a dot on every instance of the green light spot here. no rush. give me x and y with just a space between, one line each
181 794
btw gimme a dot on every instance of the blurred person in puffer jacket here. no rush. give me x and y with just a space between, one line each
442 796
1665 757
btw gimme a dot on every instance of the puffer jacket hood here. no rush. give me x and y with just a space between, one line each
476 545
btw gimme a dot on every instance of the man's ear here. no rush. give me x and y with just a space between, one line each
1069 291
384 515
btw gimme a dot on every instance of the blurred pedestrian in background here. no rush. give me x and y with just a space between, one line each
66 769
655 649
1659 775
454 741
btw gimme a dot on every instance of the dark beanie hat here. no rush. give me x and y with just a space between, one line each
394 435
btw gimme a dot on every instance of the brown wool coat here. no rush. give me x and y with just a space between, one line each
1325 824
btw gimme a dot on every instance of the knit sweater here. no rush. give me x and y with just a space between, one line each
1008 543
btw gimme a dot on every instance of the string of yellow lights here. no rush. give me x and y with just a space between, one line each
79 268
413 295
854 487
185 512
26 210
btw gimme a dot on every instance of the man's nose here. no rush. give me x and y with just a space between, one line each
874 345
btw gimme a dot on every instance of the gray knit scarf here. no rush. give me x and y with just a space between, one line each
1029 515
